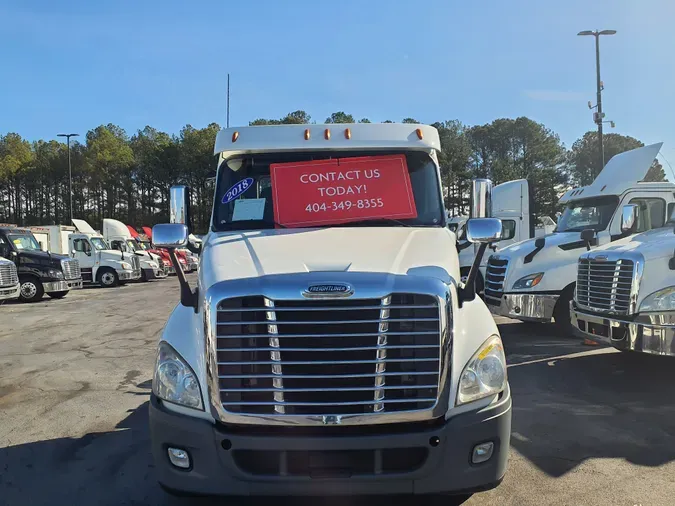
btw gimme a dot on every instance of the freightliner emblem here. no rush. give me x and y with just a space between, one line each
328 291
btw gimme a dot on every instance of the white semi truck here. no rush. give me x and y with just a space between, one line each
119 238
625 292
535 280
329 346
511 203
99 264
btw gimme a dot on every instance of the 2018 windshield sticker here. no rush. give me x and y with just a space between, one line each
237 189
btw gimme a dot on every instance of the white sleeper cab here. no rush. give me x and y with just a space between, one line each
329 346
625 294
534 280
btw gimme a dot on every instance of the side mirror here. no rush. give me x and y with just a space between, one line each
179 207
481 198
72 253
588 236
629 218
483 230
170 235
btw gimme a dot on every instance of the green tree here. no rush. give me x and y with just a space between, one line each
509 149
340 117
16 158
364 120
410 120
454 162
298 117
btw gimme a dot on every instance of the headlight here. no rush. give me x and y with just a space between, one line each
529 281
53 273
126 266
485 374
663 300
174 380
153 265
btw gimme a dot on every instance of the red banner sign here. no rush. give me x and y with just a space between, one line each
307 194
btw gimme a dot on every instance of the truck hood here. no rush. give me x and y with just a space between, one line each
426 252
43 258
657 243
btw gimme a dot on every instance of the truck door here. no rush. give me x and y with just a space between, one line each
84 255
511 203
654 207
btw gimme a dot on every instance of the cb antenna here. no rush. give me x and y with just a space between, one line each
228 100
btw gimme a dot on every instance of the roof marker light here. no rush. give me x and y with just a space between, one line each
326 134
348 133
419 133
306 134
235 136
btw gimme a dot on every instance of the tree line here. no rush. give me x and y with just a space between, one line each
115 175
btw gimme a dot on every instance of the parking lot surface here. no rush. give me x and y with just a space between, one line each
590 425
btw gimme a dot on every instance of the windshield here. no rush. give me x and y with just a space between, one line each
99 243
24 242
133 245
594 213
245 197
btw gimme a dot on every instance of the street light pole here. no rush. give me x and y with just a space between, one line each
70 173
599 115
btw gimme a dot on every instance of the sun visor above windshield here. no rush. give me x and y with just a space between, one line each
623 171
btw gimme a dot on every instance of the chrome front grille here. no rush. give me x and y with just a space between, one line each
605 285
8 275
71 269
495 275
328 358
136 264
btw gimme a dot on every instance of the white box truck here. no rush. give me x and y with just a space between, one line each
99 264
535 280
329 346
625 292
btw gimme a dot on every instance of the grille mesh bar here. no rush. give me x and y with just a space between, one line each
328 357
71 269
495 276
8 275
605 286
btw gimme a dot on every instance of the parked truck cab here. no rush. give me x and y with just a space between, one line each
118 236
535 280
99 263
328 346
39 271
625 292
10 288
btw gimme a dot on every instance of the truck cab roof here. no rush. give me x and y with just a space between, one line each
344 136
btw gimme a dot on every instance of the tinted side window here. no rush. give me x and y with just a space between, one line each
652 213
508 229
669 214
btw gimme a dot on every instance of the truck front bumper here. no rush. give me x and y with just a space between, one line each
129 275
652 338
415 459
57 286
154 273
10 292
531 307
74 284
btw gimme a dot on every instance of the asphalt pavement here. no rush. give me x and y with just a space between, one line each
591 426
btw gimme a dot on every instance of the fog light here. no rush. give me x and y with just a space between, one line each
181 458
482 452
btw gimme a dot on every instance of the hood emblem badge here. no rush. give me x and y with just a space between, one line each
328 291
600 258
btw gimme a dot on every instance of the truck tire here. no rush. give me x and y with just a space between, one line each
31 289
107 278
58 295
144 277
561 313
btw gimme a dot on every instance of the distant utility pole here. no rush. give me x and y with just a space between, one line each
598 116
70 173
228 100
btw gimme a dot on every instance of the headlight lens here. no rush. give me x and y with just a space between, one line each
485 374
126 266
663 300
174 380
53 273
529 281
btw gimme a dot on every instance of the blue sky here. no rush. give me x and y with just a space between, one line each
70 66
